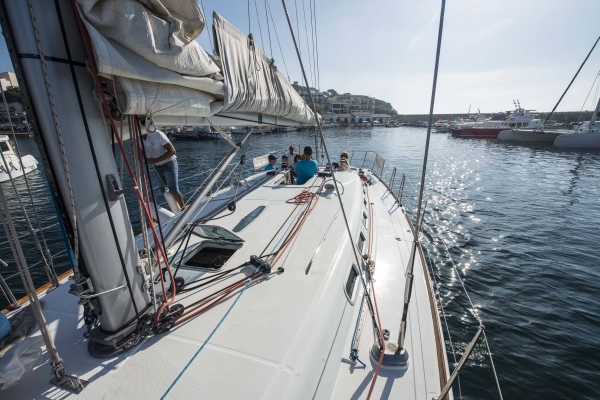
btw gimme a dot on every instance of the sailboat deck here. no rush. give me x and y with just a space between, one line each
287 336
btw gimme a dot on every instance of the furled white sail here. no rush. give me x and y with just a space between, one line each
148 48
252 81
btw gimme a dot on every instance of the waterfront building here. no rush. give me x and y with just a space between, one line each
8 79
348 103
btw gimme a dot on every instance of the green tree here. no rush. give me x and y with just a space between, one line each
332 92
383 107
13 94
319 108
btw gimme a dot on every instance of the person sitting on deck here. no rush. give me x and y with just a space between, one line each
343 165
271 165
306 168
284 161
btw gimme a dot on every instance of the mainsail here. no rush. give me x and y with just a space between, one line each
148 49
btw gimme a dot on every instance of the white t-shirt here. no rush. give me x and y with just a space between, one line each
153 145
290 157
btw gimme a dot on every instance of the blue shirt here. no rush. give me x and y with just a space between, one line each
306 169
269 167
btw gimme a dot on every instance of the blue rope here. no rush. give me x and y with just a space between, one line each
207 339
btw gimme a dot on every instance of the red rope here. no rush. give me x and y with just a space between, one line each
160 251
374 297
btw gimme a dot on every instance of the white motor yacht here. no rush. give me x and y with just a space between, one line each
11 164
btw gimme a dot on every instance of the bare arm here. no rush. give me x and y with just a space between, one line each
170 152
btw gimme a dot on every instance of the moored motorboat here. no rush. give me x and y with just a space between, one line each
11 165
491 127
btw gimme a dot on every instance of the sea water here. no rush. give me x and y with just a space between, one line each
518 225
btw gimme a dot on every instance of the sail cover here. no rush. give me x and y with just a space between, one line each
148 49
252 81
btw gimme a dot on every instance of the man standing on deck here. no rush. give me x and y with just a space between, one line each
161 154
291 156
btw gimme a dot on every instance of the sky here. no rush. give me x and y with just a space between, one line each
493 51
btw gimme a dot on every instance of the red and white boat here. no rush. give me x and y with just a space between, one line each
491 127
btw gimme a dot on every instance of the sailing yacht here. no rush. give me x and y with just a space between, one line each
260 289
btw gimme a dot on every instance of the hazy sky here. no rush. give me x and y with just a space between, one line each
493 51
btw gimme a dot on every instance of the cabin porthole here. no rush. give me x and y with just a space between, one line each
351 283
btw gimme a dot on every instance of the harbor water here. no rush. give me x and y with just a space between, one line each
518 224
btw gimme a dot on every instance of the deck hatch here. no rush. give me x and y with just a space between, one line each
216 233
210 256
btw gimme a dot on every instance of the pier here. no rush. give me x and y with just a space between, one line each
558 116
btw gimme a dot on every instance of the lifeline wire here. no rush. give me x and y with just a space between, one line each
474 310
50 263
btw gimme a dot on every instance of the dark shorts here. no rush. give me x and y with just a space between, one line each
167 176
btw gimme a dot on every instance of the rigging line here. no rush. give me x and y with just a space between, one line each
268 30
25 234
262 44
160 230
588 95
28 285
278 43
307 47
136 142
317 46
249 30
439 299
474 310
335 184
487 343
18 153
298 26
572 80
212 45
312 36
49 271
208 338
73 216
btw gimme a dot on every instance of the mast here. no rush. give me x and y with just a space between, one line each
594 116
49 59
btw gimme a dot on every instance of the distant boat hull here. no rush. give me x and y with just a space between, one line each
578 141
28 162
529 136
478 133
192 137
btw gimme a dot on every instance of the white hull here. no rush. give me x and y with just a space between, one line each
579 141
14 167
528 135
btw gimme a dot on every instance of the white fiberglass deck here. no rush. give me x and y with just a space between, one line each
288 336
